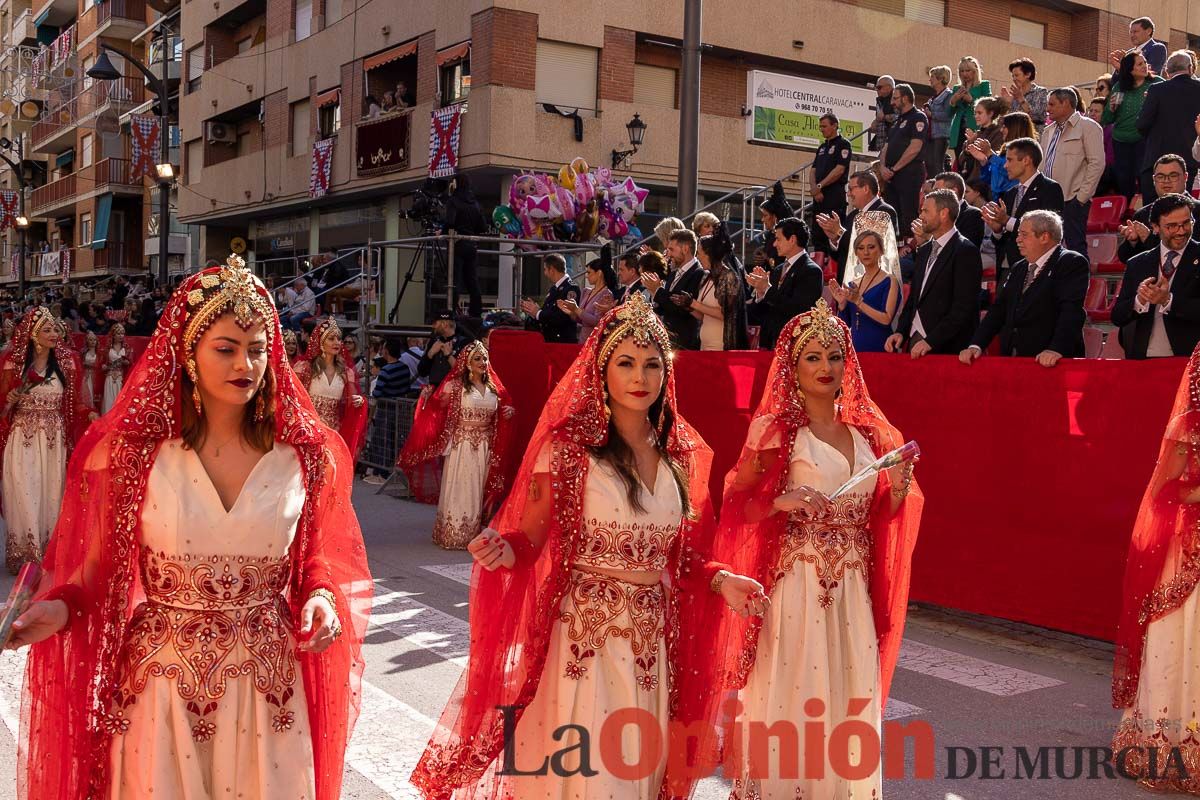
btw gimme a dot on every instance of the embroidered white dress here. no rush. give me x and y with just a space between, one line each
1166 711
607 648
113 379
35 470
818 637
211 703
87 393
464 472
326 394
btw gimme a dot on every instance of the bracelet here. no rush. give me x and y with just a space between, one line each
718 579
328 597
901 491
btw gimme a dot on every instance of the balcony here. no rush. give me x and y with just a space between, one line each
115 256
108 175
123 94
24 32
382 144
51 265
114 19
53 195
58 12
55 131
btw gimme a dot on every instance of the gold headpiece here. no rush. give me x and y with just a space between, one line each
41 318
877 222
637 319
819 323
236 290
331 329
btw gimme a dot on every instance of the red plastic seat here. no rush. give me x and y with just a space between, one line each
1096 302
1102 247
1093 341
1109 268
1105 214
1112 346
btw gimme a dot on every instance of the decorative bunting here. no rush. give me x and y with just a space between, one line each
322 163
445 131
8 208
146 130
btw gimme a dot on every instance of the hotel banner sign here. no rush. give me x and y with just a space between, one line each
785 110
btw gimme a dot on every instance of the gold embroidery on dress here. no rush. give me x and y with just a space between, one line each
39 413
455 533
475 427
198 611
1137 735
634 547
327 410
599 607
833 543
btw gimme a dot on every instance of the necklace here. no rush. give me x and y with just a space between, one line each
217 449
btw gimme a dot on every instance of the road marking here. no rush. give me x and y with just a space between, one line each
969 671
401 613
898 709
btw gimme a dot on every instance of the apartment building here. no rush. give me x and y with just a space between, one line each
90 216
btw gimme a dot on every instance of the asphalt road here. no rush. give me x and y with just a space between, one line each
977 682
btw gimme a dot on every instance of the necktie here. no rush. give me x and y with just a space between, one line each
1020 198
1030 274
1168 267
934 250
1052 151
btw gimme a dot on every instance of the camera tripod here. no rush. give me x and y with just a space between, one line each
430 256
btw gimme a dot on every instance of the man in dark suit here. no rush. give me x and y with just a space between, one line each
1158 310
1039 310
864 196
1033 192
942 310
792 288
673 298
556 325
970 219
1137 236
1167 120
629 283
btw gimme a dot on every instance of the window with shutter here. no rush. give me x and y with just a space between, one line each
1027 32
653 86
195 67
301 123
930 11
195 161
304 19
566 75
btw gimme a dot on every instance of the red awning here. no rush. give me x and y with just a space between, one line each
452 55
332 97
388 56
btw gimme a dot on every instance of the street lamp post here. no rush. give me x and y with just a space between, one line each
22 220
103 69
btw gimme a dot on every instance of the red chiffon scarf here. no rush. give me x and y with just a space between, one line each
750 532
91 564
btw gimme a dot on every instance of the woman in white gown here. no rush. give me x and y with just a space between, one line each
90 361
593 596
39 381
836 569
1156 674
332 384
204 568
115 365
466 426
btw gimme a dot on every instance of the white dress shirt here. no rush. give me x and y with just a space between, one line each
1037 267
1011 225
1160 345
759 294
943 240
557 284
874 202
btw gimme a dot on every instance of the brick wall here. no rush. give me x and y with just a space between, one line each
277 118
219 45
281 15
616 64
427 71
989 17
722 81
503 44
218 153
889 6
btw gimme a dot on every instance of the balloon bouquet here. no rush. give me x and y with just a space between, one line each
577 205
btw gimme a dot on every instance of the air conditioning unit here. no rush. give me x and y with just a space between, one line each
220 133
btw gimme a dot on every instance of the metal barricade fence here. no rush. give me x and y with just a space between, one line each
391 422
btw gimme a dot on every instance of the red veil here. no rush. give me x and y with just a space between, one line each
513 610
91 564
1162 519
353 427
434 426
13 376
750 532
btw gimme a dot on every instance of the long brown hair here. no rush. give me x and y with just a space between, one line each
466 374
258 434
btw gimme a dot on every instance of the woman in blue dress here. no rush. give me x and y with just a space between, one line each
871 296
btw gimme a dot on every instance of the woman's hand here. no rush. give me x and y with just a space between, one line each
357 401
805 499
508 412
569 307
744 595
491 551
40 621
318 624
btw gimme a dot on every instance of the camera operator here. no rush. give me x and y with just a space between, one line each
464 216
441 350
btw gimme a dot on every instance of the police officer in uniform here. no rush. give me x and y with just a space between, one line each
903 167
828 177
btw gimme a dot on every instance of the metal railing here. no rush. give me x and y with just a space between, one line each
391 422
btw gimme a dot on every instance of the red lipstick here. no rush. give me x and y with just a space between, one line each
242 383
640 394
825 379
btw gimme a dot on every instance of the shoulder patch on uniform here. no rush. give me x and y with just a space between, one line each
920 126
845 153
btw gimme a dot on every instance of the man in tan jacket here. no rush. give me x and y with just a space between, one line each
1074 157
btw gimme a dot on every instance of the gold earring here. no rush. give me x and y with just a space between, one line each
191 371
800 396
260 407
